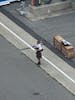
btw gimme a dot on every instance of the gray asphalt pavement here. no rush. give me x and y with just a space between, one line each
21 79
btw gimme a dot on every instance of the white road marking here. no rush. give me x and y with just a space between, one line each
68 77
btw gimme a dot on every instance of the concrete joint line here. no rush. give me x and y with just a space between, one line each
58 69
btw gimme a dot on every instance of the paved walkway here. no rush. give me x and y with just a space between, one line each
51 63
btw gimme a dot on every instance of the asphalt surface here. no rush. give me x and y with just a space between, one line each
21 79
19 76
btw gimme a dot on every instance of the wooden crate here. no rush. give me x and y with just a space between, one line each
68 51
57 41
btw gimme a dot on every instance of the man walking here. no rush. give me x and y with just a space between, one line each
39 50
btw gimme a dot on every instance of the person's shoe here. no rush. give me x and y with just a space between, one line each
38 63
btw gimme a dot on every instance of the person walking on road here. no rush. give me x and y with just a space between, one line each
39 50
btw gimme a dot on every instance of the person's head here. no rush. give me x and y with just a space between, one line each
38 42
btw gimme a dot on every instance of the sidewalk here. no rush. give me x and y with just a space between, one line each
51 63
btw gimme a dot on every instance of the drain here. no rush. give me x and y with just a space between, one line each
36 93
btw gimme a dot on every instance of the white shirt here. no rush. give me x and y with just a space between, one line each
38 46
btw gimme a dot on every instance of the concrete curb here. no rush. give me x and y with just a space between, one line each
48 9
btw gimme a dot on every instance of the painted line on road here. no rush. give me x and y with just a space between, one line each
68 77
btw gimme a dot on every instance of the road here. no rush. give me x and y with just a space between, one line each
21 79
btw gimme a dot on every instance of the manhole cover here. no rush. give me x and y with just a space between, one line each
36 93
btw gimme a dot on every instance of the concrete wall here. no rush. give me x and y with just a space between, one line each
47 9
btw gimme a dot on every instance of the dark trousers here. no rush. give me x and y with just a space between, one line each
39 56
